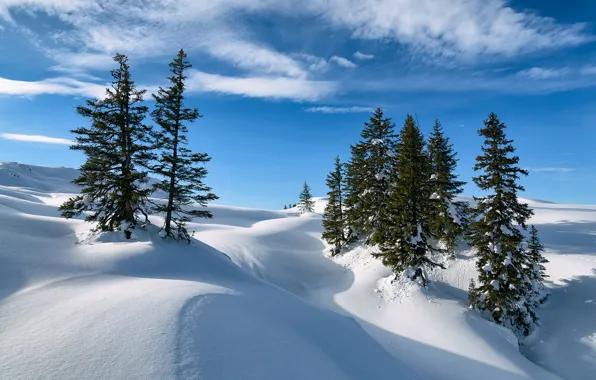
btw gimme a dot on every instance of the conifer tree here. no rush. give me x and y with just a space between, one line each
503 290
183 171
285 207
448 217
117 145
334 218
405 246
368 178
535 266
306 203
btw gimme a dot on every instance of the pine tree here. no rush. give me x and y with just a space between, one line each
285 207
535 269
502 290
368 179
306 203
334 218
448 217
183 171
405 246
117 146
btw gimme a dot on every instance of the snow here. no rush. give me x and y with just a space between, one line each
257 297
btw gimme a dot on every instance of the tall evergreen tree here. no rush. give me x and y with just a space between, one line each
117 146
502 291
406 246
535 267
368 178
448 217
306 203
334 221
183 171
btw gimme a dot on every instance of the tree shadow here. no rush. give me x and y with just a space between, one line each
445 365
569 237
566 340
12 277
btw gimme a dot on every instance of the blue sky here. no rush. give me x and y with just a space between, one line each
286 85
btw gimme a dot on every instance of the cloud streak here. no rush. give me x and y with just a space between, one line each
54 86
362 56
261 87
36 138
552 170
343 62
338 110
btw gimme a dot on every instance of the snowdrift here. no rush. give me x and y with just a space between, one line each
256 297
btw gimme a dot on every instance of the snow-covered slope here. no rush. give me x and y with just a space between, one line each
256 297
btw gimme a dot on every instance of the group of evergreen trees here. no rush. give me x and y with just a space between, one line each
122 151
398 194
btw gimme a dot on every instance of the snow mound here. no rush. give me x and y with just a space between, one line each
256 296
74 305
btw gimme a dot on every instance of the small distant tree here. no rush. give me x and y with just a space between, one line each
306 202
405 244
448 217
503 291
285 207
117 146
183 171
536 271
334 221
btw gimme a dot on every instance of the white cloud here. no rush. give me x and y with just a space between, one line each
56 86
252 57
460 29
362 56
36 138
343 62
261 87
541 73
560 72
93 30
552 170
326 109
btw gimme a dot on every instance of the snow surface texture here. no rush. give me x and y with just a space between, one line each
257 297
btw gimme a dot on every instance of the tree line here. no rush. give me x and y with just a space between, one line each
122 151
398 193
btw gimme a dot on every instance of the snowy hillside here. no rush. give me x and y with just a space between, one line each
256 297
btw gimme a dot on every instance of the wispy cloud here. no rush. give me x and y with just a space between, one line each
343 62
55 86
557 72
362 56
88 32
552 170
36 138
261 87
458 29
326 109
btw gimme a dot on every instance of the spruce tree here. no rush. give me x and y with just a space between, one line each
405 246
368 179
183 171
117 145
334 218
448 217
535 269
503 290
306 203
